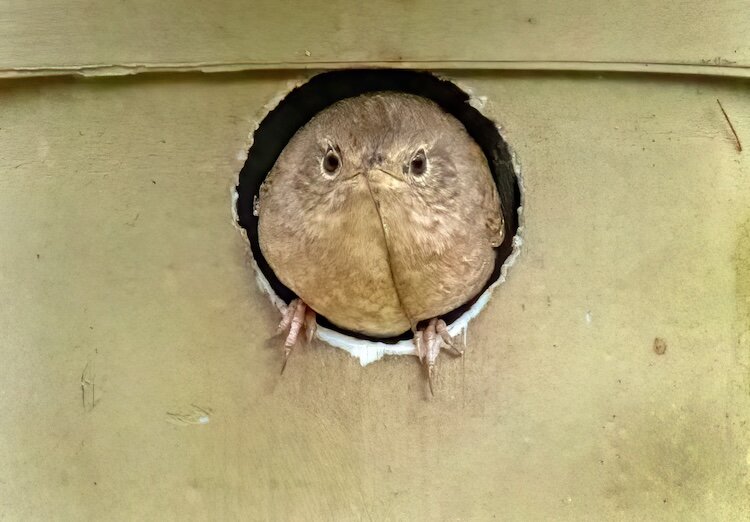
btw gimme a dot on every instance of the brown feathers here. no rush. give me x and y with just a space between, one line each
381 212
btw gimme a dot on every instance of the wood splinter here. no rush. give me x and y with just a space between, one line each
726 116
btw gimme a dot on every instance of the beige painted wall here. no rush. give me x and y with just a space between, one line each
120 267
116 37
138 376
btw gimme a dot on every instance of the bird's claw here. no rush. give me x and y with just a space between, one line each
296 315
429 342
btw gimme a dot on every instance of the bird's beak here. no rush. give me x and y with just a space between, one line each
378 172
352 176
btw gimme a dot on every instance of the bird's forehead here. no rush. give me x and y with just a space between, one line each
382 120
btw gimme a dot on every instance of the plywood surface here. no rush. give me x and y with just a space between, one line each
139 380
114 37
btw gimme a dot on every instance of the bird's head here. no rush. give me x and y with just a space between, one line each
398 148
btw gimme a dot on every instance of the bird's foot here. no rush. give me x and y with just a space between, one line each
296 315
430 341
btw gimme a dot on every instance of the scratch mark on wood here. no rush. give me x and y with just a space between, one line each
88 386
726 116
132 223
83 386
197 416
463 380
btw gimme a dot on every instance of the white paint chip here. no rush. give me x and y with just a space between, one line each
478 102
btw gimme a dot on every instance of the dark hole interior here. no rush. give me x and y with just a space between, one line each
305 101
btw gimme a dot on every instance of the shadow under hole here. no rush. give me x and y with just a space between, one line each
321 91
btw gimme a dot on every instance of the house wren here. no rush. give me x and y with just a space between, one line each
379 213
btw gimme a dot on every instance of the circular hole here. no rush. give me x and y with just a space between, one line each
321 91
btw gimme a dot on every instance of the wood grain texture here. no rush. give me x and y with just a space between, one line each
113 37
120 267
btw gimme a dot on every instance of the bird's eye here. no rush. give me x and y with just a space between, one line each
331 161
418 164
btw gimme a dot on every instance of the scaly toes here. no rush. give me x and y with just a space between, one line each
296 315
298 319
448 341
287 316
429 342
